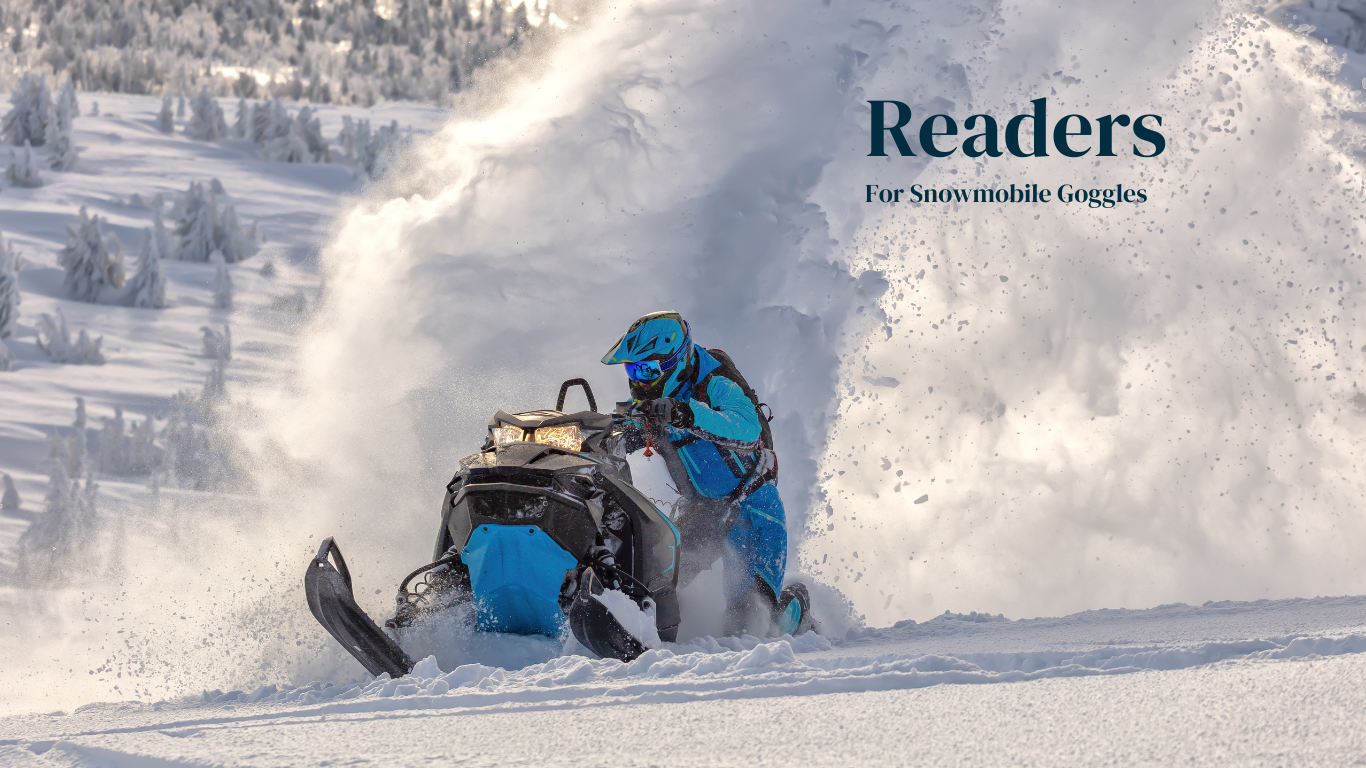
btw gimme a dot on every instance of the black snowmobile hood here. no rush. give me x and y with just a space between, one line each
534 419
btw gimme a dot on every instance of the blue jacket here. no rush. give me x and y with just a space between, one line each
719 449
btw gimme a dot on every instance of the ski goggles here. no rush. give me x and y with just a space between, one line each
643 373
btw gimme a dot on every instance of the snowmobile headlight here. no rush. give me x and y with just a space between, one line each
502 435
566 436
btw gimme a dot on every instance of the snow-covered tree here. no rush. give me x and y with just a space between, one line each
6 358
207 122
68 92
217 345
353 134
166 120
162 242
222 282
242 126
201 450
180 103
62 153
23 168
54 339
147 288
10 297
113 444
11 499
339 51
31 108
56 547
299 141
373 152
200 228
91 260
269 121
143 454
68 448
196 218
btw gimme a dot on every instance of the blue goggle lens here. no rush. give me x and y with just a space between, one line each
644 372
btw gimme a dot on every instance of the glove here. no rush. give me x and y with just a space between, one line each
667 410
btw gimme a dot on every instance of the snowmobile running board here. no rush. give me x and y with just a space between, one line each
333 604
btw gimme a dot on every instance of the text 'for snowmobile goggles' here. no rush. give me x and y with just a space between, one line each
566 436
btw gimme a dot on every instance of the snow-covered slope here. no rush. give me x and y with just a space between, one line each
152 354
1133 687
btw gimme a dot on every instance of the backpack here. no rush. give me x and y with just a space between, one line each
728 370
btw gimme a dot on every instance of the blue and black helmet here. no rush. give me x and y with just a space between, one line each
656 350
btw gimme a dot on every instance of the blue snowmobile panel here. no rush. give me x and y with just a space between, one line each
516 572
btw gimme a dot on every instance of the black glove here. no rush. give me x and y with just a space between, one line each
667 410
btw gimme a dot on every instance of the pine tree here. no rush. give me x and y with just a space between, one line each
54 340
55 547
200 229
113 444
162 242
217 345
6 359
242 126
91 260
10 297
23 169
26 122
143 454
165 120
62 151
196 220
73 448
147 288
180 103
69 93
222 282
207 122
235 244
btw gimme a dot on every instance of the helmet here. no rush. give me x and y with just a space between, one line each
656 349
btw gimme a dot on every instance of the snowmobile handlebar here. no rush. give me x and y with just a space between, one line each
587 391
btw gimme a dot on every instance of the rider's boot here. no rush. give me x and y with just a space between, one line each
793 615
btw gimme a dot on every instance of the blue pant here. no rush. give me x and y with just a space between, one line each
755 546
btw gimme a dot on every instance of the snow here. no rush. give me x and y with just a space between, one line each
1019 410
1126 686
640 623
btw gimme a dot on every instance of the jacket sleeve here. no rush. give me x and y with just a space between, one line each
731 421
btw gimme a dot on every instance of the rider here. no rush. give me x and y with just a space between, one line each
704 420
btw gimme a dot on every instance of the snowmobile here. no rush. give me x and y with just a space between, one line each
534 527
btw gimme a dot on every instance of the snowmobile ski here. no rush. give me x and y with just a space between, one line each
595 627
333 604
